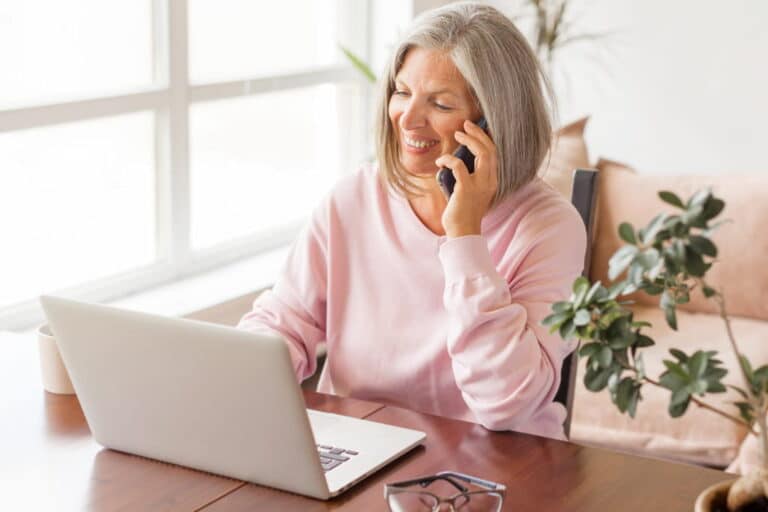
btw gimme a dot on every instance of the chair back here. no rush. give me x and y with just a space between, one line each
584 198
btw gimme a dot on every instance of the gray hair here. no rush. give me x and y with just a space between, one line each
504 77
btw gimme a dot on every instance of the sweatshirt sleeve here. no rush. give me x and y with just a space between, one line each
506 365
295 307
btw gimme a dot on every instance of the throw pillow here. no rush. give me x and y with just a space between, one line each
568 152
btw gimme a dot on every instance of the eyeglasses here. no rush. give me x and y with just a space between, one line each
405 496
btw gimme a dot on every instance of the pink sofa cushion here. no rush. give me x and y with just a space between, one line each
569 152
743 244
699 436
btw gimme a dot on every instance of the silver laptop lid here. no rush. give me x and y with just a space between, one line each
190 393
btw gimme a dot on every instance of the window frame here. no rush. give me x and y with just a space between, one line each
171 100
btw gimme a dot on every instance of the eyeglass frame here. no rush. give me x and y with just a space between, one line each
394 488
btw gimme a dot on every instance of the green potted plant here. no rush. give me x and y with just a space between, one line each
668 258
550 30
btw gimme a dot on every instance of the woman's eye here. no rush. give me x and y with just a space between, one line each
400 93
444 108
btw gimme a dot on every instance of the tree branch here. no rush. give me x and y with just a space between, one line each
704 405
758 402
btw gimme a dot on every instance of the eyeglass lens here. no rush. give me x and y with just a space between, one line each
415 501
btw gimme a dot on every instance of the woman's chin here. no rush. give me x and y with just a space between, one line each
421 170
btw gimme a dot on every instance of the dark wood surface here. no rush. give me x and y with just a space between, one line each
48 461
540 474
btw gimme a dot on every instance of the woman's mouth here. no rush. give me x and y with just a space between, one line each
418 146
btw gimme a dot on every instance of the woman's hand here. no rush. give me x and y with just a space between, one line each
473 193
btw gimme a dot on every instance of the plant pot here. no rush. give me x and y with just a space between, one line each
713 498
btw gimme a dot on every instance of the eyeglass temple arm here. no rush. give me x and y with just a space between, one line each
426 480
472 479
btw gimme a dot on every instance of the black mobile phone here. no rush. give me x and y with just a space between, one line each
445 175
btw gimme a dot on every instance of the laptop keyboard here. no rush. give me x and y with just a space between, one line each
331 457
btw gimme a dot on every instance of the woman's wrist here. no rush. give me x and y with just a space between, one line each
462 230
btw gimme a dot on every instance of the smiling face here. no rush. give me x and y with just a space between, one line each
431 101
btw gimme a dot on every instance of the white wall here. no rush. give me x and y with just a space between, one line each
680 87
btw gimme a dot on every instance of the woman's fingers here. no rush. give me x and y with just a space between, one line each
460 171
485 158
484 152
474 145
478 133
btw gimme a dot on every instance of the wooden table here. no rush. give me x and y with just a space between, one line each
49 461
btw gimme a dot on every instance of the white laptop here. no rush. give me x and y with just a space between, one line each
212 398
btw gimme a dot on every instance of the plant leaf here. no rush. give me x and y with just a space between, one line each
667 303
679 355
699 387
747 368
697 364
555 320
698 198
590 349
671 198
702 245
678 370
640 367
621 260
580 289
652 289
739 391
746 411
679 396
644 341
582 318
648 259
359 64
593 292
633 400
567 330
694 263
627 233
678 410
712 208
715 387
656 225
672 381
596 380
624 393
616 289
605 357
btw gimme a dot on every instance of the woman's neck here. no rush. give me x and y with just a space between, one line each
430 205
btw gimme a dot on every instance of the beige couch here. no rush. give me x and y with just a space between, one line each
742 272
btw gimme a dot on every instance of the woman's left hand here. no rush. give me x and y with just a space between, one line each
473 193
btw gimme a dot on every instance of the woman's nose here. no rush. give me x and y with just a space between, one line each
413 116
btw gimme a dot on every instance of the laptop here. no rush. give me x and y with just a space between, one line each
212 398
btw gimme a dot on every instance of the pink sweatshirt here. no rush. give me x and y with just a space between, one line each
437 325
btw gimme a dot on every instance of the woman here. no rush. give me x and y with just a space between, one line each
433 303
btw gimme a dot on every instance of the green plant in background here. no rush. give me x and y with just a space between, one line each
669 258
552 28
359 64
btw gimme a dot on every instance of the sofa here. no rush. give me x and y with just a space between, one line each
625 194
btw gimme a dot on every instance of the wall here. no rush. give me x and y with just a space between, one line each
678 87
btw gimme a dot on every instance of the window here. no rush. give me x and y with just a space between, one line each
146 141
